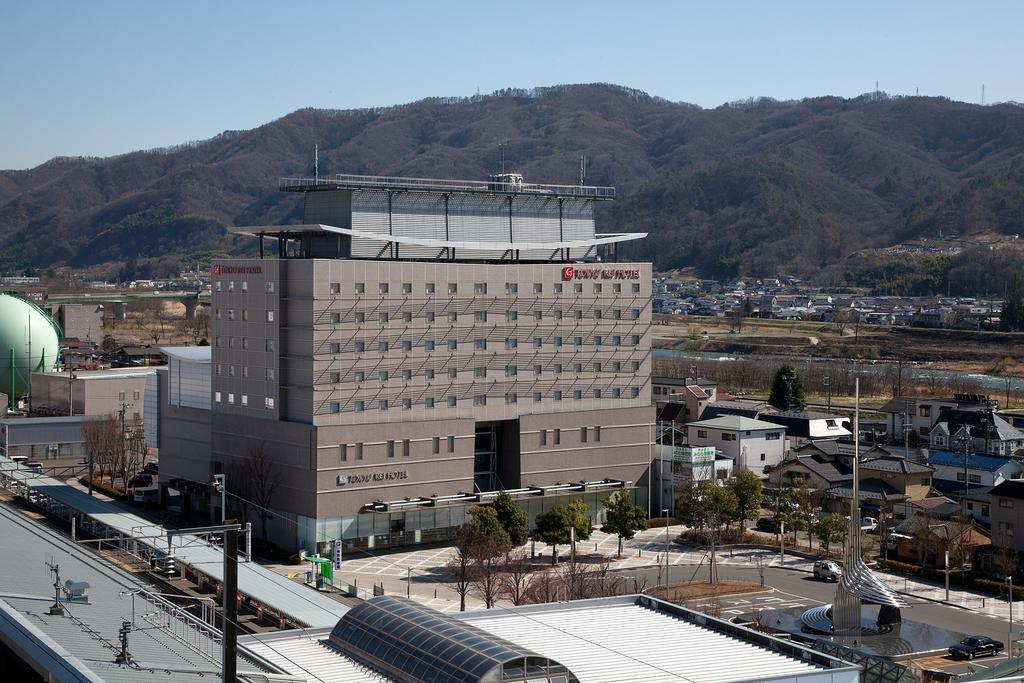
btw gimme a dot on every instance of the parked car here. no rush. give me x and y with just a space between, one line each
19 459
868 524
34 465
975 646
148 497
767 524
140 480
827 570
152 467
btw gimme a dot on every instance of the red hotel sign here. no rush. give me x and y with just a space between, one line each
574 273
218 269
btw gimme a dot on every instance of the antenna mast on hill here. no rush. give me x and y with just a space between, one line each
316 161
983 94
583 170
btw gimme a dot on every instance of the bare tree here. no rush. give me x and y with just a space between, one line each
486 572
514 578
127 457
264 477
102 437
542 586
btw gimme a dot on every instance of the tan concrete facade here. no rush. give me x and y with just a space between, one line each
367 381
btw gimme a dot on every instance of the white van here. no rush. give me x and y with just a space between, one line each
147 496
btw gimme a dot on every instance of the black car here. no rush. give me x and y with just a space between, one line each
975 646
768 524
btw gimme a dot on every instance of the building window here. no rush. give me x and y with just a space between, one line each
335 318
597 393
597 433
335 288
984 510
577 315
406 346
428 345
598 287
428 375
583 434
772 436
406 404
636 287
382 347
359 450
543 437
537 397
135 396
217 368
218 287
382 404
634 392
343 452
538 288
270 345
557 314
382 375
557 396
245 342
728 437
597 340
360 317
435 445
480 344
538 369
636 314
245 402
557 342
382 288
577 341
405 448
453 317
480 288
407 317
577 394
616 288
407 375
336 347
480 316
556 436
429 288
382 318
617 314
762 457
428 402
391 448
598 314
511 288
480 372
577 288
451 444
120 396
453 288
231 399
511 397
335 377
453 373
360 288
335 407
511 343
231 286
216 397
616 393
1006 503
480 400
636 339
558 288
702 433
406 288
511 370
537 315
597 367
268 402
557 368
925 411
270 288
511 316
538 342
452 401
453 344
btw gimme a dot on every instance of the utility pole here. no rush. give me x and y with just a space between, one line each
219 486
230 606
828 387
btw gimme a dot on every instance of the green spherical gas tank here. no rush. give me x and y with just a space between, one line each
29 342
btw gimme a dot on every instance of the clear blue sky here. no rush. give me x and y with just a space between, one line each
101 78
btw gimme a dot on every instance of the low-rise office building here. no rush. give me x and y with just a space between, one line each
92 392
752 444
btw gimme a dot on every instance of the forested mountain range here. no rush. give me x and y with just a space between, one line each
755 188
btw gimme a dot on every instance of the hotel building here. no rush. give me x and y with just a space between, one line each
416 345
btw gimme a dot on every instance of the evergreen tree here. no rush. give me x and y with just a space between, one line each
787 389
749 495
1012 317
512 518
624 518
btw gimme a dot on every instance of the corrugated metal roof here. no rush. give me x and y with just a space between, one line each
736 423
625 642
272 590
310 653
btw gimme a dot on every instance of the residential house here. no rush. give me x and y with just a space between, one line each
693 394
981 469
918 414
809 424
1007 508
978 429
885 483
923 540
818 472
842 450
753 444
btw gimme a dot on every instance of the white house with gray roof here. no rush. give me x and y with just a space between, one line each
753 444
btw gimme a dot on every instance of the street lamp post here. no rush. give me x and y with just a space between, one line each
664 513
946 530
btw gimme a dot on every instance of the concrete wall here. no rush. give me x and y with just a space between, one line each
98 392
754 451
82 321
185 439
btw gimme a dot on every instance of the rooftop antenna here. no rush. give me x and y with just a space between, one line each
502 146
917 92
56 608
316 161
876 87
983 94
583 170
